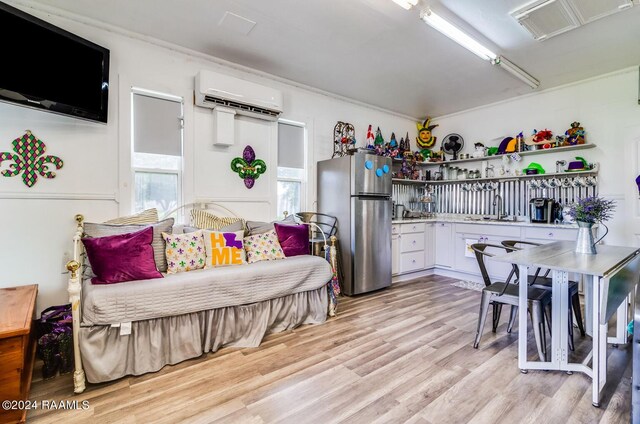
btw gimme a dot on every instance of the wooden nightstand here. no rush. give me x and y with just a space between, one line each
17 347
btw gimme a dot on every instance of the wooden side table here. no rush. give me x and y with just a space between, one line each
17 348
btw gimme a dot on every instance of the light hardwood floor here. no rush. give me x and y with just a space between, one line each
403 354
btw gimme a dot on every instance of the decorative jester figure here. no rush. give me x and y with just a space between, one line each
425 140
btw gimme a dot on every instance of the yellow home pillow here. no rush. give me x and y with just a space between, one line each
224 248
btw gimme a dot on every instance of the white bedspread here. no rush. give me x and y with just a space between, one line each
201 290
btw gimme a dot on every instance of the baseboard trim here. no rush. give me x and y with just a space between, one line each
437 271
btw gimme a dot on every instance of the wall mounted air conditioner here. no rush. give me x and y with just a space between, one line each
243 97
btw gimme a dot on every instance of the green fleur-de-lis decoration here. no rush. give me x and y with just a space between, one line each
182 263
29 159
248 167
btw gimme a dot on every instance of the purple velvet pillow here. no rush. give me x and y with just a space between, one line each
123 257
294 239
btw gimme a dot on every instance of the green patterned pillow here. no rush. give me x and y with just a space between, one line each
185 252
263 247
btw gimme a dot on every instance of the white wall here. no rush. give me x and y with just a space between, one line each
95 180
607 107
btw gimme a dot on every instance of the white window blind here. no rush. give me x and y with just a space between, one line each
290 146
157 125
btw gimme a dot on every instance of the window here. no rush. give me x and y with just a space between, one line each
291 168
157 151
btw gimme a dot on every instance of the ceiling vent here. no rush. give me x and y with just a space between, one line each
548 18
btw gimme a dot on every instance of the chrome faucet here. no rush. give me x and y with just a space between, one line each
500 205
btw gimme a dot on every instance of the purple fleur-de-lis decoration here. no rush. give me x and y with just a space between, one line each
172 264
194 238
199 249
192 262
248 167
180 251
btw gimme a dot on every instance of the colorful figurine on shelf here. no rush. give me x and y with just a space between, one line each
575 135
405 169
540 139
370 138
425 139
379 140
407 142
392 141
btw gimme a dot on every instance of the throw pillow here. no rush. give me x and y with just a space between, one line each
259 227
185 252
294 239
100 230
236 226
224 248
149 216
123 257
263 247
206 220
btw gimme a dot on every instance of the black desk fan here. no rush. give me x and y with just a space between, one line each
452 144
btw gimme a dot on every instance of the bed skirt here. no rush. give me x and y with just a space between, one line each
154 343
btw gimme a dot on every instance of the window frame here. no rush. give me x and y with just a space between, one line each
304 181
181 166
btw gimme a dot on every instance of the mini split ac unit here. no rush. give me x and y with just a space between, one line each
246 98
228 96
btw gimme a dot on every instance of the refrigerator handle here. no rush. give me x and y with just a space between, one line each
375 195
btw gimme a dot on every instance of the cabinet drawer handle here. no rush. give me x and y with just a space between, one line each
414 227
550 234
414 242
413 261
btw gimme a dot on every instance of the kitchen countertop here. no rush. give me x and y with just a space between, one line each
471 219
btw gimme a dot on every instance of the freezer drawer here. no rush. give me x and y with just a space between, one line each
370 244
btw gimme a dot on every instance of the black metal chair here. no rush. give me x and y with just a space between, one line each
329 225
501 293
545 282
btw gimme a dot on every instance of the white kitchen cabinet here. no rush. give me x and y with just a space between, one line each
465 234
444 245
548 235
429 246
395 249
412 247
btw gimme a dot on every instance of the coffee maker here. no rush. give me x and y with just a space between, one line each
542 210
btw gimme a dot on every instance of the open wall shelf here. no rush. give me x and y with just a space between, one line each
494 157
587 172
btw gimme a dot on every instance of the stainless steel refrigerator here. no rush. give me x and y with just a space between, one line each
357 191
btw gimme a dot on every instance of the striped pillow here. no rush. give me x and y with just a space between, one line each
150 216
205 220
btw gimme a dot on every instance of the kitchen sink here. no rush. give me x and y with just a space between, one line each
491 218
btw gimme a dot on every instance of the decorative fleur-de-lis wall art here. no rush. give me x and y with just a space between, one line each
29 159
248 167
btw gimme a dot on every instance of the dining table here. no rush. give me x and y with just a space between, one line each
608 277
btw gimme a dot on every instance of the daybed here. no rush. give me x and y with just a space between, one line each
140 326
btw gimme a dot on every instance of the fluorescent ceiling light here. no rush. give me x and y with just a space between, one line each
516 71
437 22
405 4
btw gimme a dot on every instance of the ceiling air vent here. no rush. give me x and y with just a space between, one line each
548 18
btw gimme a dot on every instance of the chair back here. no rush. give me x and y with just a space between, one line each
479 251
328 223
514 243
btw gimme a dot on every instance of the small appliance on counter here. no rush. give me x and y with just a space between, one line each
542 210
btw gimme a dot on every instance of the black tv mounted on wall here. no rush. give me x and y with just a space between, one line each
46 67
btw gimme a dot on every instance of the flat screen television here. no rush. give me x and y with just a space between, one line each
46 67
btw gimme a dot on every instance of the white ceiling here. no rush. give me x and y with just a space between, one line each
376 52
